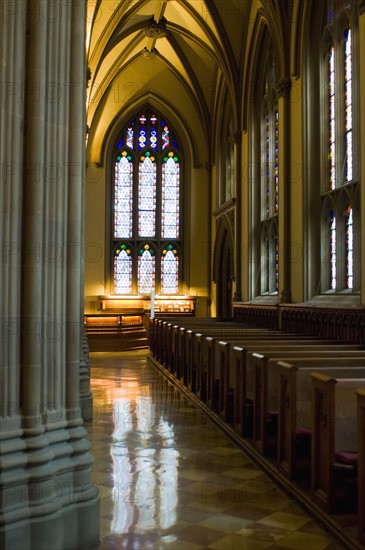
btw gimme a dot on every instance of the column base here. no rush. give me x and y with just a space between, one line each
75 527
286 297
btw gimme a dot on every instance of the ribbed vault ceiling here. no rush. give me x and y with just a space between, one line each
177 51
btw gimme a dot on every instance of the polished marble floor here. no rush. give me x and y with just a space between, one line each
169 479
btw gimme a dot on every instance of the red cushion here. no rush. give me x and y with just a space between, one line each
346 457
301 432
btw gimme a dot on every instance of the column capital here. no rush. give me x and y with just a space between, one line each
209 167
237 136
283 87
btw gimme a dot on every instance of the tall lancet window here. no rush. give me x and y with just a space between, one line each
147 190
269 202
349 248
348 105
331 118
340 173
333 249
169 270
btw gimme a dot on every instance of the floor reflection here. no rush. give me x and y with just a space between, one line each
169 479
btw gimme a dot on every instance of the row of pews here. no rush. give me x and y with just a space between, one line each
299 401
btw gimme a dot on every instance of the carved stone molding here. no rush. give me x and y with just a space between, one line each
209 167
283 87
148 54
224 208
156 30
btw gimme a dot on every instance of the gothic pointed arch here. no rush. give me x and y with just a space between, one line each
223 266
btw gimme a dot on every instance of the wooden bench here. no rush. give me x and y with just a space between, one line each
263 385
361 462
224 375
334 442
295 415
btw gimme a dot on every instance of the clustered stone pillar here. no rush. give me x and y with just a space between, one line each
283 92
238 215
47 499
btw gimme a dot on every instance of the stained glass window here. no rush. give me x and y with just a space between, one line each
331 119
349 249
276 263
169 271
122 270
142 138
130 137
146 196
276 162
340 187
348 106
146 270
123 196
170 204
333 250
165 137
267 164
269 137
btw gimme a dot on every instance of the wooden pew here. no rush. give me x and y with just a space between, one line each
215 368
361 462
334 442
263 383
226 373
295 415
200 365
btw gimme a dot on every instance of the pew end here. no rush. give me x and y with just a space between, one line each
334 443
360 394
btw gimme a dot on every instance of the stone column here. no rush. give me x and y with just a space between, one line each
284 230
49 500
238 214
13 459
246 252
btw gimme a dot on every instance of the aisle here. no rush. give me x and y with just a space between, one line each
169 479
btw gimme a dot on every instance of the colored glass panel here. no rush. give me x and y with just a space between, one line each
146 272
130 137
349 249
267 257
154 182
331 119
348 107
267 165
276 164
147 197
333 253
170 205
123 198
169 272
122 271
165 137
276 263
142 138
153 138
